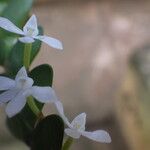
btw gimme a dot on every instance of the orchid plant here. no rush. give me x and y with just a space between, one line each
24 91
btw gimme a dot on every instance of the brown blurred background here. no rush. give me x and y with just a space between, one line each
94 74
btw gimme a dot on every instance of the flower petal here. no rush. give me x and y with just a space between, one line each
9 26
6 83
50 41
15 105
60 110
8 95
79 122
31 27
73 133
26 39
22 73
98 135
43 94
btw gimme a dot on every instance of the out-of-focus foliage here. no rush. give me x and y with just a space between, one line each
17 11
134 101
141 61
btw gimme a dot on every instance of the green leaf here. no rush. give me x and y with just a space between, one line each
5 46
3 5
22 125
42 76
15 58
48 134
17 11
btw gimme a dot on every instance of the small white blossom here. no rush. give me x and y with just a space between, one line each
16 92
77 127
30 32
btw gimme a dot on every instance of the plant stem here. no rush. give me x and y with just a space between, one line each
33 106
26 63
27 55
67 144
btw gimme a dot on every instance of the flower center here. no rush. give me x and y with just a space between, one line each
30 31
24 83
77 126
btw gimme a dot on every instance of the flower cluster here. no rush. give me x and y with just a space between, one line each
15 93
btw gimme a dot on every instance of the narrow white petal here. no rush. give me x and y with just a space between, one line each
8 95
99 136
60 110
73 133
31 27
22 73
6 83
59 107
79 122
43 94
50 41
15 105
26 39
9 26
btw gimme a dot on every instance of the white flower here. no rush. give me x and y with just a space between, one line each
17 91
77 127
30 32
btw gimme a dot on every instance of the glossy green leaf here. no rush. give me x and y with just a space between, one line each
42 76
22 125
15 59
48 134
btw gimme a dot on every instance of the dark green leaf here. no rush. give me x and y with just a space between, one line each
22 125
42 76
48 134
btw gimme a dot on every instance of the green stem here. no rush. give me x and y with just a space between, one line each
27 55
26 63
33 106
67 144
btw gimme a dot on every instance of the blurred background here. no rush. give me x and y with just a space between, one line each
104 69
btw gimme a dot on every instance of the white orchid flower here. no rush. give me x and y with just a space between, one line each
16 92
30 32
77 127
